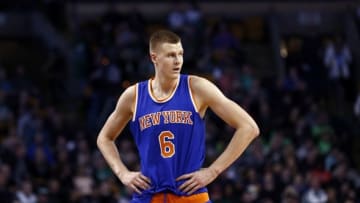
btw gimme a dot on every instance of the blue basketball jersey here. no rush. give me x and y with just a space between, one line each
169 135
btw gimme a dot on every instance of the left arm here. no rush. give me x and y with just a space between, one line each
206 94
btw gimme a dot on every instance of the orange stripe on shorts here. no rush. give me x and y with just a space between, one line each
171 198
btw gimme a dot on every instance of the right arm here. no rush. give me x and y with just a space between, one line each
113 126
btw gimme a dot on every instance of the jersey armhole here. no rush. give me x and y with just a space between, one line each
191 95
136 101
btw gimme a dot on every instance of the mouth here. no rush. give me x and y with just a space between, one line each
176 69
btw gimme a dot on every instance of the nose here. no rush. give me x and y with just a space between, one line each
178 59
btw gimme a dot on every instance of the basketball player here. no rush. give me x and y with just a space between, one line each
166 119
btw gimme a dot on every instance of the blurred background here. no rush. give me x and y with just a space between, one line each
293 65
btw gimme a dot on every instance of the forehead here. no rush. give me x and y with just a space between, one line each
171 47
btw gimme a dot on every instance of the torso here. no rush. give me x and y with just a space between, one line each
169 134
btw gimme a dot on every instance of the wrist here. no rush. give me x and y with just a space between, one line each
120 174
215 170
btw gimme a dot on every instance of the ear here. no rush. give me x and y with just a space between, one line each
153 57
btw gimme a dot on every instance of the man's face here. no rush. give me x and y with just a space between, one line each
168 59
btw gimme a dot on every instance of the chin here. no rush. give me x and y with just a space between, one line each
174 75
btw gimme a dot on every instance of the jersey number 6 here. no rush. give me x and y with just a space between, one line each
167 147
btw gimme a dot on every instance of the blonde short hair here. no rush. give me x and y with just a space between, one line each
162 36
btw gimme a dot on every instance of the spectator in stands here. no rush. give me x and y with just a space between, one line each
297 139
357 105
25 193
315 193
338 59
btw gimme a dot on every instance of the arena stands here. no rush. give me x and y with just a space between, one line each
62 70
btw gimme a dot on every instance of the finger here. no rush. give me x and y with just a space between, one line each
185 185
189 187
146 185
146 179
193 190
142 184
136 189
185 176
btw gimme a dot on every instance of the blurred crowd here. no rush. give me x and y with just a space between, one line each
307 150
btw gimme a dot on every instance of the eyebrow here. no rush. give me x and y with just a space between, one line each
172 52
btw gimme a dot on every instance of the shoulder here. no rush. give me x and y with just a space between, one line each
130 92
198 82
128 98
205 92
201 86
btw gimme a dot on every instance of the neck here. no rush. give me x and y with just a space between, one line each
163 84
162 88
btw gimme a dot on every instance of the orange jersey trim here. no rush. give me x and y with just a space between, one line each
161 100
135 102
171 198
191 95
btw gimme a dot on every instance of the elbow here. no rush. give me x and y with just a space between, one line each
254 131
99 141
250 131
103 140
